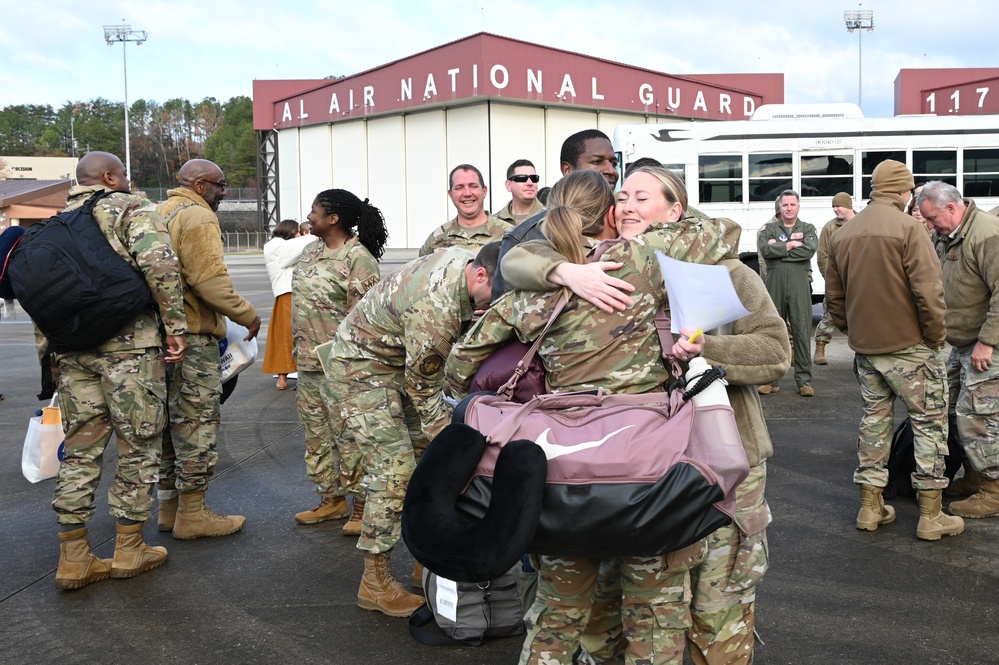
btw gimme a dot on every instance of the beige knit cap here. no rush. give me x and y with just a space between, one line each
843 200
892 176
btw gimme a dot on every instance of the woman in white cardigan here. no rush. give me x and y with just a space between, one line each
281 253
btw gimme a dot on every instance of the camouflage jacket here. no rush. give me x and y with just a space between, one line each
585 348
197 239
136 231
692 239
471 238
325 286
506 214
402 330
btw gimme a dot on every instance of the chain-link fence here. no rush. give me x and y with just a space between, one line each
159 194
244 241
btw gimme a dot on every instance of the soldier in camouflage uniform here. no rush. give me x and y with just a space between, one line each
189 452
472 227
968 246
386 368
753 350
330 278
118 387
842 206
883 286
787 245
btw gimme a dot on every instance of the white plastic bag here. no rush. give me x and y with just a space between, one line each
44 445
235 353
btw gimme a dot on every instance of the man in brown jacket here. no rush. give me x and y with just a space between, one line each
884 291
968 245
189 452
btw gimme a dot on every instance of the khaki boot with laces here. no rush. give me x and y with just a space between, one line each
330 508
967 484
381 592
78 566
820 353
983 503
932 522
196 520
132 556
353 525
873 511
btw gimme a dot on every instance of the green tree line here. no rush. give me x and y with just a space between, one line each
161 136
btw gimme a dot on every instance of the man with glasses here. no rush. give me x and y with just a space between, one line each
472 228
522 183
195 384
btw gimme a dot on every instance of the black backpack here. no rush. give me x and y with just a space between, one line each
72 283
902 460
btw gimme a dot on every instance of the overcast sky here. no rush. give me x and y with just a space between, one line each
54 51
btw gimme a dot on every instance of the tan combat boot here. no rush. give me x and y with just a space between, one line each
768 389
379 591
873 511
330 508
416 579
196 520
78 566
168 509
820 353
967 484
932 523
353 525
983 503
131 554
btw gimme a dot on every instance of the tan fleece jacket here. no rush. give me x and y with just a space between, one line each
197 241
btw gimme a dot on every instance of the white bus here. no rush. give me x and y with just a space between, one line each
736 169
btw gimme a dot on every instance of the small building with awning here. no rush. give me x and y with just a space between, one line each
24 202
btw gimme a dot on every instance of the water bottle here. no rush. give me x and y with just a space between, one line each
714 393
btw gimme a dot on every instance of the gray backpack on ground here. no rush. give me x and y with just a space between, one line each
480 610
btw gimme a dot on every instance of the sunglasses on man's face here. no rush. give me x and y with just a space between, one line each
523 177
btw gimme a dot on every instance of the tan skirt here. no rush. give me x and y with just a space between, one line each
277 353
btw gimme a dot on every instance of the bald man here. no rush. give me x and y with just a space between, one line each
189 452
118 386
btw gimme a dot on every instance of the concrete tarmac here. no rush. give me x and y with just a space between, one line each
282 593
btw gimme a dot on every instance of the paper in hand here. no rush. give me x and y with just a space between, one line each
700 296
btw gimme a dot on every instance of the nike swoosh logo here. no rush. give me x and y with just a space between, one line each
552 451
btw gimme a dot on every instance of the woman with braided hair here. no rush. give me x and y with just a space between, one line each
329 279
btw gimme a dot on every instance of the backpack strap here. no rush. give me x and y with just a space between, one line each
506 390
176 211
418 621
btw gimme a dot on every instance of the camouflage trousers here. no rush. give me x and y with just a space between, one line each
974 400
195 391
825 329
655 594
723 588
123 392
723 611
332 461
918 376
383 425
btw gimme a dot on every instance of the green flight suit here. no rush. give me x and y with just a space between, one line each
789 284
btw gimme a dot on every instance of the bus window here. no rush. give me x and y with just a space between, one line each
826 175
719 178
981 172
769 175
935 165
870 160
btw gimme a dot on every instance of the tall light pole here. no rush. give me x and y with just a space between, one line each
125 34
859 20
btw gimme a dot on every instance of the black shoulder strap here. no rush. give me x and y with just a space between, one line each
417 629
